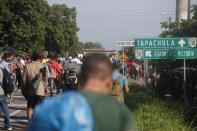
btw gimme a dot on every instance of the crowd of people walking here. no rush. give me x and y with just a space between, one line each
84 87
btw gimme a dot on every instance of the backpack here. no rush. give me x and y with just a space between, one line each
116 89
70 77
34 85
36 81
79 115
7 83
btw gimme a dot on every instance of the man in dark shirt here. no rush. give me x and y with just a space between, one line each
90 109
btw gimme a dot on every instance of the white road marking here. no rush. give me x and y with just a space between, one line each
17 105
18 96
15 112
16 121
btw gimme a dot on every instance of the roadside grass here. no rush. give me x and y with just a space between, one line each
154 114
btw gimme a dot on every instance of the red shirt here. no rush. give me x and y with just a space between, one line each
54 64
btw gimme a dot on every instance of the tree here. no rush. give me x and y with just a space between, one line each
92 45
34 24
130 52
185 28
22 24
62 30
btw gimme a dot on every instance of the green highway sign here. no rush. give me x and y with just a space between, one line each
147 54
182 42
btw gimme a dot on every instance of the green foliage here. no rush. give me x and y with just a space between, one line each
164 64
154 114
92 45
62 30
179 29
33 24
130 52
186 28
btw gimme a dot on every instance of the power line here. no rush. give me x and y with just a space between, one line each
153 14
123 9
135 12
122 14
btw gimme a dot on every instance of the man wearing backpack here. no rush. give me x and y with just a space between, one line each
72 69
7 67
120 84
3 102
31 78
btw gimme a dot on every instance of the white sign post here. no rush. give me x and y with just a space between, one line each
125 43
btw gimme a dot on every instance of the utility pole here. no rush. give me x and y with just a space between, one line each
183 13
189 9
182 10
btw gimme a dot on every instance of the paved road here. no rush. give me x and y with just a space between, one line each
17 113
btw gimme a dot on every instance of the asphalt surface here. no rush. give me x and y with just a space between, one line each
17 113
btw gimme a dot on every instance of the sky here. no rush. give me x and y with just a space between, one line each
108 21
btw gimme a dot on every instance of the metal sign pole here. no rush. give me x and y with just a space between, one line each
184 63
147 74
184 84
145 84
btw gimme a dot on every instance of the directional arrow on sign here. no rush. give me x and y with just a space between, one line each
182 43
